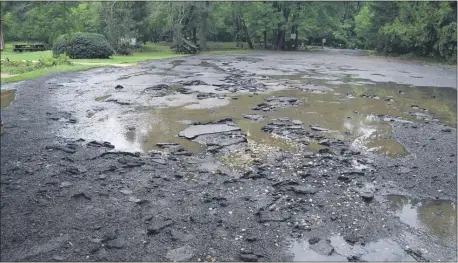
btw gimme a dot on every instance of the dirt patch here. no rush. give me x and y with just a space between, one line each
6 75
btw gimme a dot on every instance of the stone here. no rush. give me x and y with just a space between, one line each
307 189
325 142
118 87
49 246
196 130
250 238
117 243
82 194
126 191
58 258
159 161
323 247
65 184
351 239
344 178
355 258
184 253
367 196
317 128
248 257
254 117
314 240
277 216
155 228
447 130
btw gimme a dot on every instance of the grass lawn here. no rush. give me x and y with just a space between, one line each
42 72
149 51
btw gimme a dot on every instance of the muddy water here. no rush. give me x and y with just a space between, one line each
347 118
436 217
440 101
6 98
381 250
346 114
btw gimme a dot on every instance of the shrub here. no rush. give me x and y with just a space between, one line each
124 48
82 45
19 67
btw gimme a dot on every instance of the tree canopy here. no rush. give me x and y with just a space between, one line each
422 28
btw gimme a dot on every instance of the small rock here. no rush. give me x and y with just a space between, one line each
58 258
344 178
323 247
314 240
250 238
184 253
308 189
118 87
126 191
117 243
157 227
317 128
248 257
325 142
367 196
351 239
82 194
355 258
65 184
447 130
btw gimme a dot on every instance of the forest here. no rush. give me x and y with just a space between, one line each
426 29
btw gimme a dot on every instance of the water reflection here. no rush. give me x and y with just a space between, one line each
381 250
437 217
6 97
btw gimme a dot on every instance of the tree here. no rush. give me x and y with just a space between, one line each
118 24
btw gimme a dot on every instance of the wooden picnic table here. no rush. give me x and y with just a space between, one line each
27 47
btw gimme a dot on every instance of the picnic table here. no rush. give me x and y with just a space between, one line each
27 47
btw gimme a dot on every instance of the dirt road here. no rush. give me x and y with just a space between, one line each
270 156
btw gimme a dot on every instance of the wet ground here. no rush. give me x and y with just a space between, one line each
309 156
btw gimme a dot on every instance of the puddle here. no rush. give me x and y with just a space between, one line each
348 118
381 250
439 101
437 217
102 98
349 113
330 111
387 147
177 62
6 98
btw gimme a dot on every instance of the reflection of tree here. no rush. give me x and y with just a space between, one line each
397 202
130 136
439 217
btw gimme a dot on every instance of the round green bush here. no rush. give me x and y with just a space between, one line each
82 45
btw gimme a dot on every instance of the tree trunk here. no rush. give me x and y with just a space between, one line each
265 39
203 29
248 39
194 35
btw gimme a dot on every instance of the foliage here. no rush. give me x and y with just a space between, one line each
420 28
19 67
82 45
119 25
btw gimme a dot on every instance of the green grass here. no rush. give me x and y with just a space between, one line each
149 51
42 72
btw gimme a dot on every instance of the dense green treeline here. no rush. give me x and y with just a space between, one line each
419 28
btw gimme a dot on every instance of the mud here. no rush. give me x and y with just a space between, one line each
6 98
349 159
